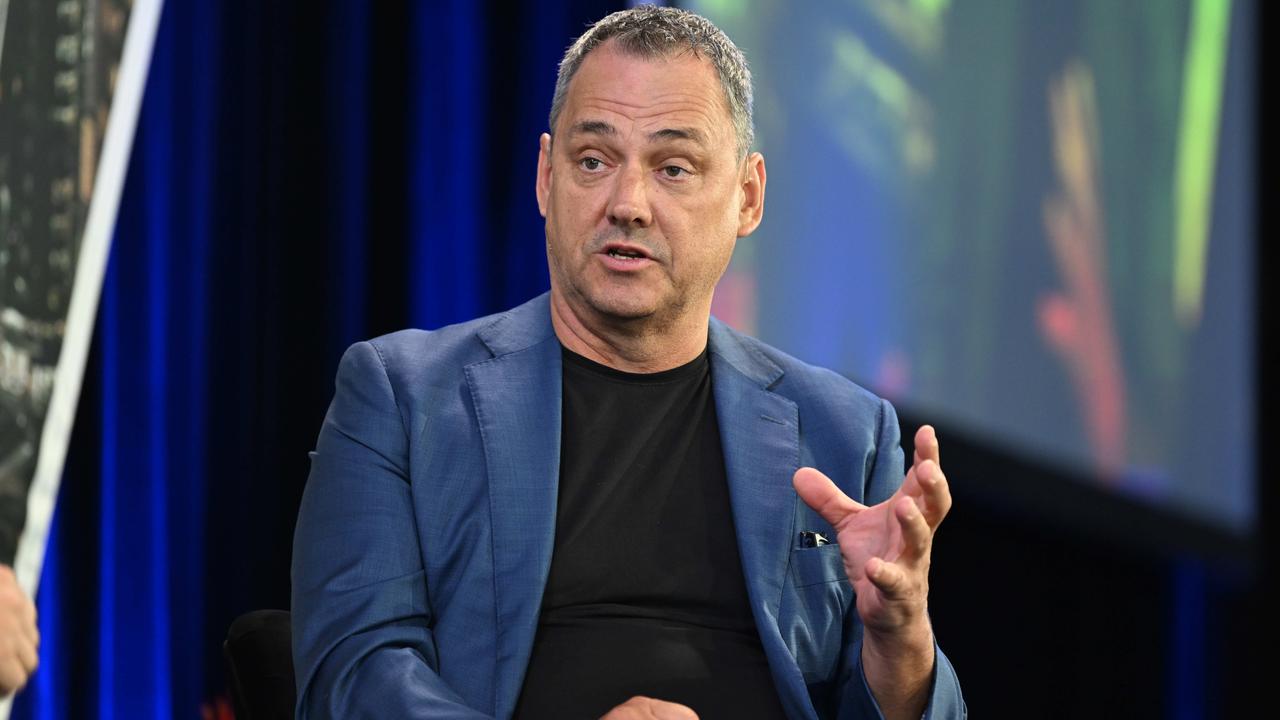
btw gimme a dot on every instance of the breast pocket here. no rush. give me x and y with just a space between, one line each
816 565
812 613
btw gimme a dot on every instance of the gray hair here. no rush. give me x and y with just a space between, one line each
650 32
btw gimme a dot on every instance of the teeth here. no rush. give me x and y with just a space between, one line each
625 256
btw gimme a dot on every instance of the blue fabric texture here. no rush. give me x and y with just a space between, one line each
426 528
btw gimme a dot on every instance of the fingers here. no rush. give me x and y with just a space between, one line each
925 481
12 676
934 493
901 579
818 492
19 636
19 612
27 657
926 445
926 450
928 487
887 577
32 632
917 535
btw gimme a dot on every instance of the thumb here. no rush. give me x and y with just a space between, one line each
818 492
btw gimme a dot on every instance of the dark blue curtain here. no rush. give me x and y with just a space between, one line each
305 175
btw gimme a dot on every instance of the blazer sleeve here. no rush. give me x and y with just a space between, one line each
856 700
362 625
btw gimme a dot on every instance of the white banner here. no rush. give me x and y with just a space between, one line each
67 67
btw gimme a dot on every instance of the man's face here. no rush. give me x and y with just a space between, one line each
642 190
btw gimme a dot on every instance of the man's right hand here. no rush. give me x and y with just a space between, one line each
643 708
19 638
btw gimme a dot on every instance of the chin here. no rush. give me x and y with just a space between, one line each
622 305
623 311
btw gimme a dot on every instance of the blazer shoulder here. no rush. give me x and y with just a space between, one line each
847 431
416 357
405 352
426 367
812 386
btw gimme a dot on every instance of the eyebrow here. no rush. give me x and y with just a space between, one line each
599 127
593 127
690 134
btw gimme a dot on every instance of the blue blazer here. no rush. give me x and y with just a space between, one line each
426 529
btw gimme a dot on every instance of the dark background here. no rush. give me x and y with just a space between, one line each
309 174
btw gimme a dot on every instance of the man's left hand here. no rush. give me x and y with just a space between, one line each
886 549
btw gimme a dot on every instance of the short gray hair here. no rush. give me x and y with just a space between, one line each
649 31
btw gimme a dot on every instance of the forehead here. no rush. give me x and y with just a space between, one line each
619 88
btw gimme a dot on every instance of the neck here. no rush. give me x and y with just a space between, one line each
632 346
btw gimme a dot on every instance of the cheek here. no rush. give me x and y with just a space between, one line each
719 235
705 257
574 206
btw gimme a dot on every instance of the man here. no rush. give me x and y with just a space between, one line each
19 638
590 505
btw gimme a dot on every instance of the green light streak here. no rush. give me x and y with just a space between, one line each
863 66
933 9
720 10
1197 153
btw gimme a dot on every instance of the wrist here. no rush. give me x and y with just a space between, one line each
913 638
909 647
898 668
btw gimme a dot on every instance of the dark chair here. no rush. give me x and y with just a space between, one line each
260 663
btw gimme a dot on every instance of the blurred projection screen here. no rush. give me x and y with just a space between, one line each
1032 220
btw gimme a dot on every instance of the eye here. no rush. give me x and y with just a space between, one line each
590 164
674 171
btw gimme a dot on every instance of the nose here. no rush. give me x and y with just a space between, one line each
629 203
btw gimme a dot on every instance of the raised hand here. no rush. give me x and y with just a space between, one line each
886 550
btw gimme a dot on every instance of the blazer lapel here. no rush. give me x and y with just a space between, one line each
760 436
517 399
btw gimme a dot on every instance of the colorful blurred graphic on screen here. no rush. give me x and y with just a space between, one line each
1032 220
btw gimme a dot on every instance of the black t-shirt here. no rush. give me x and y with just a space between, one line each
646 594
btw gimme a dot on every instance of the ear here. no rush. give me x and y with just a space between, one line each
752 209
543 186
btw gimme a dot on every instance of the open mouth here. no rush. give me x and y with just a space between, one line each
626 252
